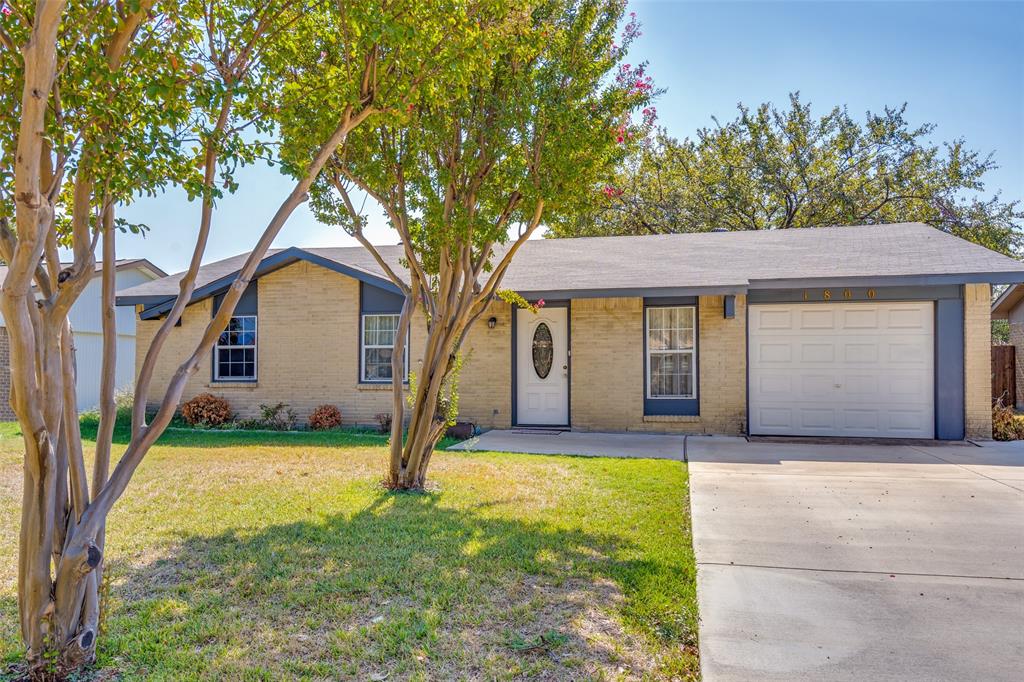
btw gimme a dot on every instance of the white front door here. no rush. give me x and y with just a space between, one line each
542 367
842 369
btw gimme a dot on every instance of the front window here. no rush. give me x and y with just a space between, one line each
379 333
235 355
670 352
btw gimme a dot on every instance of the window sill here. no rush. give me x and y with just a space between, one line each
233 384
368 386
671 418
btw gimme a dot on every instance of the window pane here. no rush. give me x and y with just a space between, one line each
233 361
670 328
671 374
379 333
377 364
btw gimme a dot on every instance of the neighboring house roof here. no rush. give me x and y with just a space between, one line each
1007 301
670 265
119 264
82 309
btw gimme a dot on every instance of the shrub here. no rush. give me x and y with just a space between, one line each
278 417
1006 425
206 409
325 417
383 422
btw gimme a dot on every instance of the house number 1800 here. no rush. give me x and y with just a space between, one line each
828 294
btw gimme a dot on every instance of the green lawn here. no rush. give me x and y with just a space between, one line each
245 556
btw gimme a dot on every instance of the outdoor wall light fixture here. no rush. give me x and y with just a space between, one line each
492 323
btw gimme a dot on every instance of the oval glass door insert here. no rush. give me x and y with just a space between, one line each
543 353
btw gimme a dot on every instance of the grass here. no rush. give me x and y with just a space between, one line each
270 556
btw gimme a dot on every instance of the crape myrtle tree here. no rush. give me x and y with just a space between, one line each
108 100
521 136
773 168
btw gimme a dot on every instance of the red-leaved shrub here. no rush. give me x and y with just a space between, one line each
325 417
206 409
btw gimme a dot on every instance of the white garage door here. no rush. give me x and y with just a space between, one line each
842 369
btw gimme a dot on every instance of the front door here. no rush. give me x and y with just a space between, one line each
542 367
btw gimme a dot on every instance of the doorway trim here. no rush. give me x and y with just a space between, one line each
567 304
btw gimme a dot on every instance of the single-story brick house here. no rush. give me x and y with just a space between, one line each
1010 306
877 331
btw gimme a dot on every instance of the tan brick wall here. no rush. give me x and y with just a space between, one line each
309 353
1017 341
176 348
607 364
607 368
308 348
723 366
485 386
978 360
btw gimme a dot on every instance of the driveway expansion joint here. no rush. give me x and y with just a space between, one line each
961 466
862 571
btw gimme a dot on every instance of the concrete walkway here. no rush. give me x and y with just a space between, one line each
577 443
852 562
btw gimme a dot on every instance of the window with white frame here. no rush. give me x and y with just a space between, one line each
378 345
671 361
234 358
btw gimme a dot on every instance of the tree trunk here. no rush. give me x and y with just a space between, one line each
427 421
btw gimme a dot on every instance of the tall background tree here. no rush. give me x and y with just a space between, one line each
105 101
776 168
521 133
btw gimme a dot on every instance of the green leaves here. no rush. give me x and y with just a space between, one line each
145 125
486 110
772 168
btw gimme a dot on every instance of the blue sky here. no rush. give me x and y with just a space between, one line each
957 64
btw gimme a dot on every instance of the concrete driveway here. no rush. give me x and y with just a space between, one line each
858 562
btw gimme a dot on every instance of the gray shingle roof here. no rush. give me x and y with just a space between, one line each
726 262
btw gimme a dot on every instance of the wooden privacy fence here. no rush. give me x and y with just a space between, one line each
1004 375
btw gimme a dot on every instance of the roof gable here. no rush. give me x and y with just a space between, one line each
156 303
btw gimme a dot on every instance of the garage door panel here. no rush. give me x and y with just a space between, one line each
817 418
815 319
860 420
778 318
844 369
904 353
779 419
860 318
777 384
817 352
860 352
775 353
817 385
908 318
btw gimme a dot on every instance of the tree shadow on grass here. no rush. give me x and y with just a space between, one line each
407 588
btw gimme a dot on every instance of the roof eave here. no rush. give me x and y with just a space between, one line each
1007 301
633 292
1005 277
